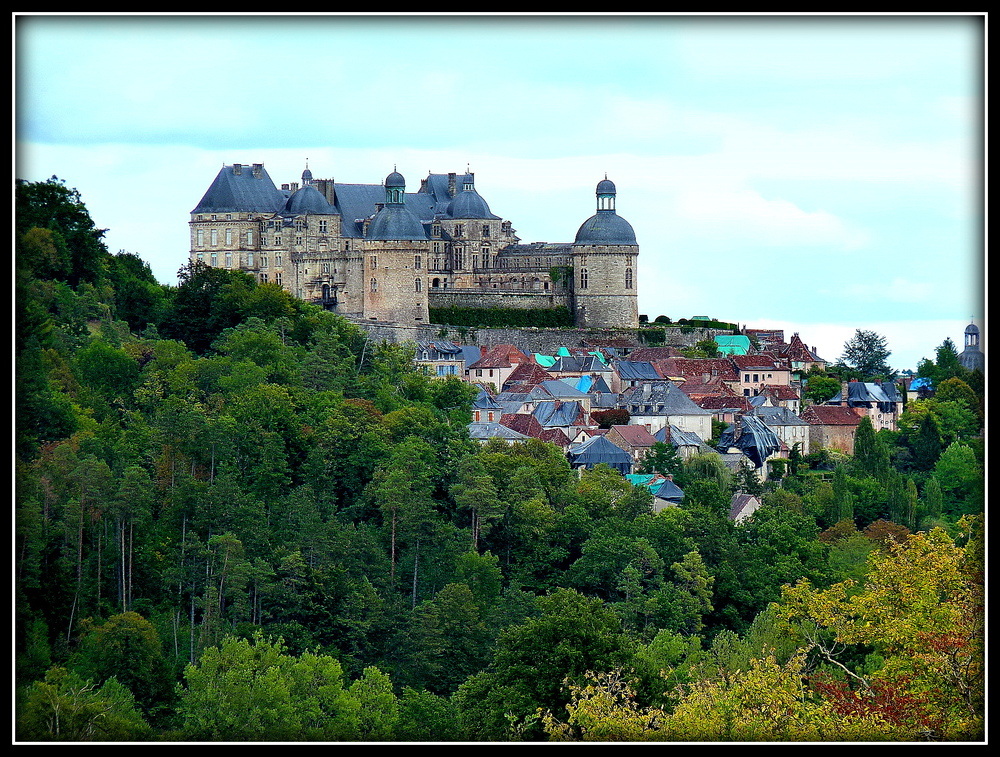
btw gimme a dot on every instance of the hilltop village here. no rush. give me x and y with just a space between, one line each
611 405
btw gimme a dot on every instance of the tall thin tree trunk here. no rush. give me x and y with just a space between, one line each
416 558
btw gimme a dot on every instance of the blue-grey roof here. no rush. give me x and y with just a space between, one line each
396 222
636 370
485 402
557 414
662 398
241 189
599 451
755 440
778 416
306 201
669 491
483 431
469 204
605 227
861 394
679 437
558 388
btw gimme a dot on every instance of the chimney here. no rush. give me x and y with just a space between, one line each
294 186
237 169
258 168
451 185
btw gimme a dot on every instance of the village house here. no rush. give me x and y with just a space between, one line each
656 405
831 427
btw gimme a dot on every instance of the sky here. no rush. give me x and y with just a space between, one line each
820 174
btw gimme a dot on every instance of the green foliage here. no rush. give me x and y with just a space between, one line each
867 353
65 707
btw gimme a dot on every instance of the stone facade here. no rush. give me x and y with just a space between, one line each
380 253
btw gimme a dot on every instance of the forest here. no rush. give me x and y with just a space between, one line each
239 519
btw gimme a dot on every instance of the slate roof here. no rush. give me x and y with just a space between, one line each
779 416
563 414
663 398
241 189
866 394
562 390
483 431
636 370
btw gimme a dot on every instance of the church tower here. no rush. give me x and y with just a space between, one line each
605 254
972 357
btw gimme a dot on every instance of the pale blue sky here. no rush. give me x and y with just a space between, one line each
820 174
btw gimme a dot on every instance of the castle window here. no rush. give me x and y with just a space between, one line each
416 285
277 241
459 230
322 227
347 245
374 264
200 257
417 262
299 225
229 260
215 237
250 238
200 235
277 259
326 268
436 230
263 278
229 237
229 216
435 283
250 259
475 261
263 261
277 278
584 278
374 285
437 248
628 278
215 259
486 229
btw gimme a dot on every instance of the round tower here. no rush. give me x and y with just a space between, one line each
395 265
605 254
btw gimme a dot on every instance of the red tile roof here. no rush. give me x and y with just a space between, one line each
830 415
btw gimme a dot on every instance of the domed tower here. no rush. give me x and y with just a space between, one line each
972 357
396 251
605 254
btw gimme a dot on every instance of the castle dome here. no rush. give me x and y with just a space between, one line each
307 200
469 204
395 179
606 186
605 227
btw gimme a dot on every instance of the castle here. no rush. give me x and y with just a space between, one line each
380 253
